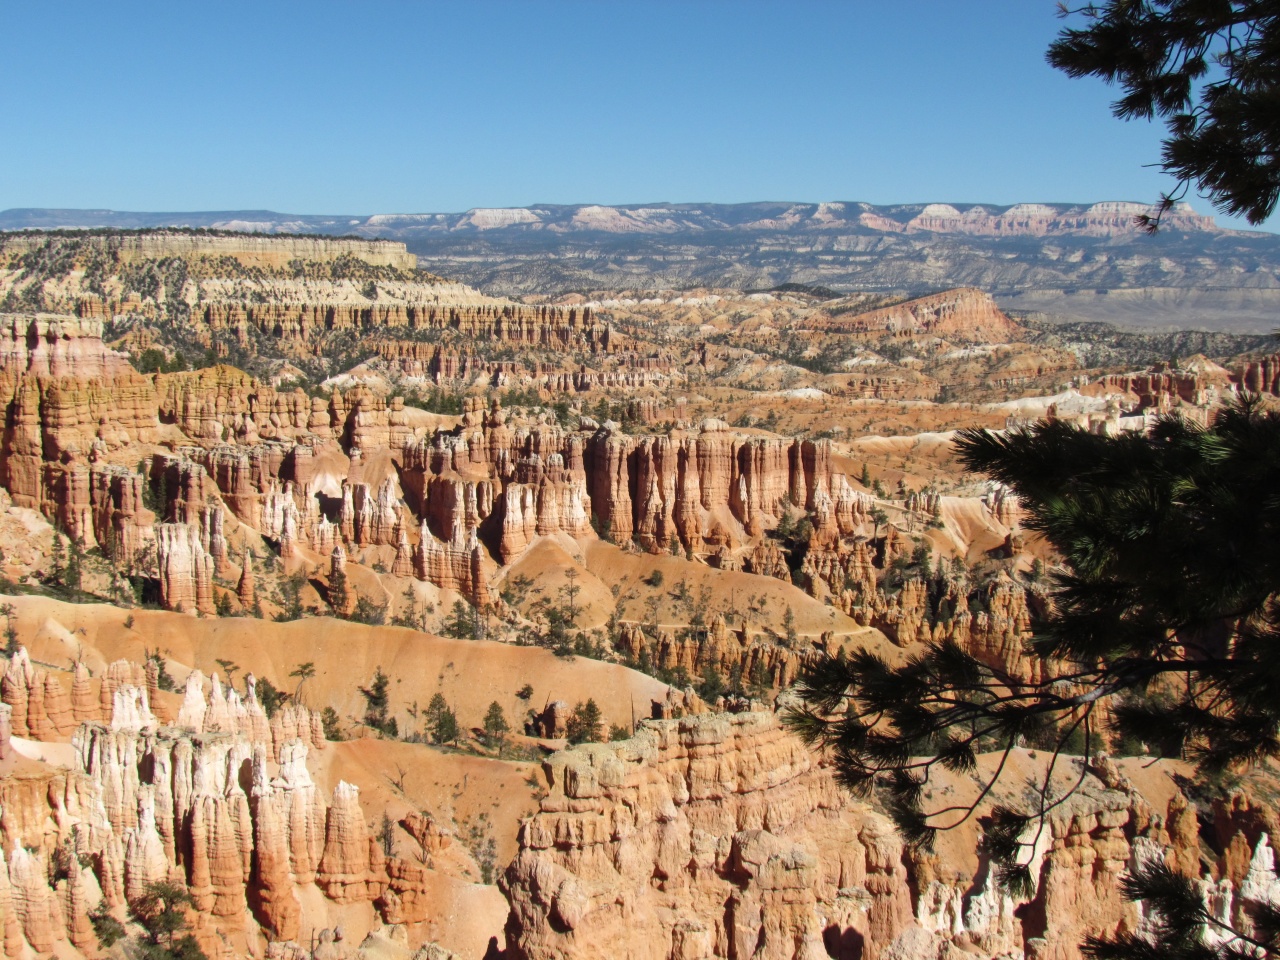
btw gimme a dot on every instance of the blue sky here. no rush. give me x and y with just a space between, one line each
325 107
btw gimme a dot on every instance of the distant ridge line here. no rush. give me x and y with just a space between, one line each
1102 218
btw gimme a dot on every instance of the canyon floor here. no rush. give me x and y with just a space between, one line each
393 619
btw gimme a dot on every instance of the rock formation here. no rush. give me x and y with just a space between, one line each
252 251
718 837
1260 376
69 399
678 843
186 569
964 314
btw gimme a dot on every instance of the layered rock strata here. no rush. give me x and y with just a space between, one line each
312 473
964 314
222 803
713 836
718 836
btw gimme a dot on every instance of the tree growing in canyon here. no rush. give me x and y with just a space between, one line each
302 673
496 727
1210 71
1167 605
161 911
571 589
442 722
463 623
332 724
583 725
376 704
339 592
10 614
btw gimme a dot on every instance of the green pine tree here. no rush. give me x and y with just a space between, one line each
376 704
584 724
441 722
496 727
1171 573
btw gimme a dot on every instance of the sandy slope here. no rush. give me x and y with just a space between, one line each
470 674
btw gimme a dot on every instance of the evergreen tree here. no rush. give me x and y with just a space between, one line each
879 518
1210 71
332 725
339 592
302 673
734 685
161 911
571 590
463 623
57 560
583 725
74 575
10 613
712 686
387 835
106 927
442 722
759 683
270 698
1172 573
496 727
376 703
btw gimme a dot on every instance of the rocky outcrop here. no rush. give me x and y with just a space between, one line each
69 400
48 346
621 370
460 564
656 489
450 502
251 251
223 404
754 656
350 868
965 314
246 592
223 803
713 836
556 327
1195 381
1106 219
186 569
716 836
544 498
1260 376
39 705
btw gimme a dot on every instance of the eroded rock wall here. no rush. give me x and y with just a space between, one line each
719 836
713 836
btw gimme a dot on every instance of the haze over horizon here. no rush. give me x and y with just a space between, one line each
450 107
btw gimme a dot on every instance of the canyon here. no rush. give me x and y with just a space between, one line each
665 503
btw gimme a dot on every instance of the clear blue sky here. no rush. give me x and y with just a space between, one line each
367 107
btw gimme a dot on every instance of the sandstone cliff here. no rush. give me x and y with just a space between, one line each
705 837
965 314
252 251
719 837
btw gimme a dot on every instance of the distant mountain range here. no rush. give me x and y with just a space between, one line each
1075 261
1105 219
